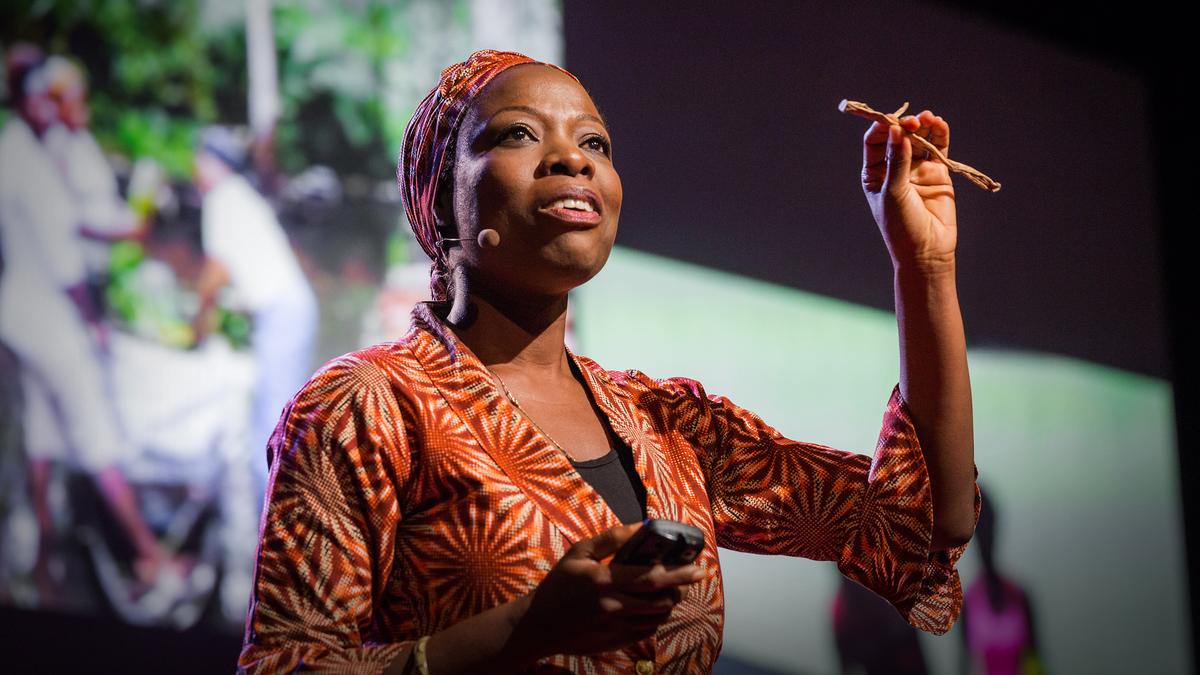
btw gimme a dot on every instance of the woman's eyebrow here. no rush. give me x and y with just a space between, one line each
537 113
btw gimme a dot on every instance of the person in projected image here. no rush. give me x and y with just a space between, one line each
998 632
248 253
50 321
105 217
446 502
870 637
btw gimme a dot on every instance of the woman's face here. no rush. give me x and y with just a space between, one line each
532 139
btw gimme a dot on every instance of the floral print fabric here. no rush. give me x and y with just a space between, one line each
407 493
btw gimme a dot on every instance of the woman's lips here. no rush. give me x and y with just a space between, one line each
573 216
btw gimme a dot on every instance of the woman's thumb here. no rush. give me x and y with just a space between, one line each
899 158
604 544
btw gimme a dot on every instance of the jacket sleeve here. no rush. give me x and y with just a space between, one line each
328 531
873 516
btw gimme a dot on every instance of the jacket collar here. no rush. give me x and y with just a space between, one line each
530 459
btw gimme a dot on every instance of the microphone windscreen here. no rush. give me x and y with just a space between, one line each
488 238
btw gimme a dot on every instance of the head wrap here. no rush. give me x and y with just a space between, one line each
64 76
429 133
225 144
22 63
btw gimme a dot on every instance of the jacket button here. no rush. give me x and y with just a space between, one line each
644 667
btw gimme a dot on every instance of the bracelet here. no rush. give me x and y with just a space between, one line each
419 656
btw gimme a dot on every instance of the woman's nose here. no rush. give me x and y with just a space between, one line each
566 158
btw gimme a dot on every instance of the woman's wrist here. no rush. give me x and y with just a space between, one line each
523 646
498 640
929 268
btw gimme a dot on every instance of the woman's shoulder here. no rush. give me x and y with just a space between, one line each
634 379
384 365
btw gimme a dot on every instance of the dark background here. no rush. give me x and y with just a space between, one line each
733 155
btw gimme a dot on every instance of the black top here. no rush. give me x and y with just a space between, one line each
616 479
617 482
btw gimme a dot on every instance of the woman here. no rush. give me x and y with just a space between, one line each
425 510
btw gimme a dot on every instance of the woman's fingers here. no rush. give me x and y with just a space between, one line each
924 119
637 579
927 125
875 147
604 544
649 592
919 126
933 129
887 154
653 604
899 157
940 136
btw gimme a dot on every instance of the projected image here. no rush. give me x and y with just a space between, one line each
198 209
1077 462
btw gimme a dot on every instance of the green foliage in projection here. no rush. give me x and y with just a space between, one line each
332 59
160 69
152 75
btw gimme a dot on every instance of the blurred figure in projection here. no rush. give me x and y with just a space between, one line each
104 216
50 321
871 636
247 249
997 620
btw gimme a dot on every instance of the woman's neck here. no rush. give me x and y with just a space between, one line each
525 336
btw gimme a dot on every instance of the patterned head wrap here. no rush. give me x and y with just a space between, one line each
428 136
64 76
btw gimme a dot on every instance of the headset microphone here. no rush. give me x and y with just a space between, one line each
488 238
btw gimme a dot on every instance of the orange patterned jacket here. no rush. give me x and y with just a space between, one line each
407 493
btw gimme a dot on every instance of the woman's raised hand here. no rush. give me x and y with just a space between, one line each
585 606
910 196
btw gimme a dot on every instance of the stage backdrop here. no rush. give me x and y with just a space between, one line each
746 257
735 158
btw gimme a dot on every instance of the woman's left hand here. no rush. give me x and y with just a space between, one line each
911 198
